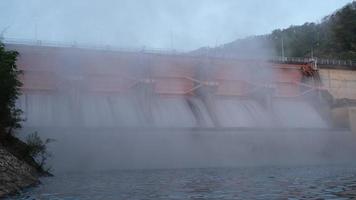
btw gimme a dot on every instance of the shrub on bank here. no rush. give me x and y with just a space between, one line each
34 152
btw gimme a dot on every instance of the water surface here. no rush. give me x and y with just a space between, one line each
303 182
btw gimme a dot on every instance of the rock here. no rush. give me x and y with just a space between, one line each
15 174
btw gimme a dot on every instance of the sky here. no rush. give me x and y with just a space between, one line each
162 24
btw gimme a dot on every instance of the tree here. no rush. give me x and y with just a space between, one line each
10 115
334 38
343 28
34 152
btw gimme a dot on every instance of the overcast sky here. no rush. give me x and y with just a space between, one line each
181 24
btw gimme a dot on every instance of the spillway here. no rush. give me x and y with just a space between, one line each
242 113
73 87
298 114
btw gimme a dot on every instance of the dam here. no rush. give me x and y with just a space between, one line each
102 88
245 100
126 121
113 109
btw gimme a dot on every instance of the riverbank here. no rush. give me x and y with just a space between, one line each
15 174
18 169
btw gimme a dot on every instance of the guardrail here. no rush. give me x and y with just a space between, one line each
89 46
319 61
337 62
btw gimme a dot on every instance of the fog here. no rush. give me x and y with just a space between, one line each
110 109
179 24
98 88
88 150
150 125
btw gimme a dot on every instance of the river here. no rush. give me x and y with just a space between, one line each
273 182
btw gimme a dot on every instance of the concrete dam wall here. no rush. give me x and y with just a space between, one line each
73 87
340 82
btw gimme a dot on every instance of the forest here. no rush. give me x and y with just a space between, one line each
333 38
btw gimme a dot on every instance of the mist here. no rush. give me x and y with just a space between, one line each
180 25
175 99
111 108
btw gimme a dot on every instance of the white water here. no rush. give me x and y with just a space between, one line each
241 113
172 112
202 113
297 114
109 111
88 110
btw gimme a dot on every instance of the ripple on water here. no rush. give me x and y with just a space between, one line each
319 182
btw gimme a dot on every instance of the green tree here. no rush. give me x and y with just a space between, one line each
10 115
343 30
34 152
334 38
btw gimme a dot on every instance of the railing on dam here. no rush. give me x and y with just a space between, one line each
320 61
105 47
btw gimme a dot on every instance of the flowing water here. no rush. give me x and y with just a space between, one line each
303 182
84 110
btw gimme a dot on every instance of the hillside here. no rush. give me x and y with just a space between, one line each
334 37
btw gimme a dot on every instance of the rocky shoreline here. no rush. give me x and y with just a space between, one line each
15 174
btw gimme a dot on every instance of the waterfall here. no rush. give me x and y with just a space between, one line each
297 114
100 110
241 113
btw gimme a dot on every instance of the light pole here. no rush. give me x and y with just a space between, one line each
283 59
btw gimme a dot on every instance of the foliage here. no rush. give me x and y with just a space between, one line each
334 37
37 149
10 116
34 152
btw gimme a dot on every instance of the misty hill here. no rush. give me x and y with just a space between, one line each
334 37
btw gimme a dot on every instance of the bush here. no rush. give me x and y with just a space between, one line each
37 149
